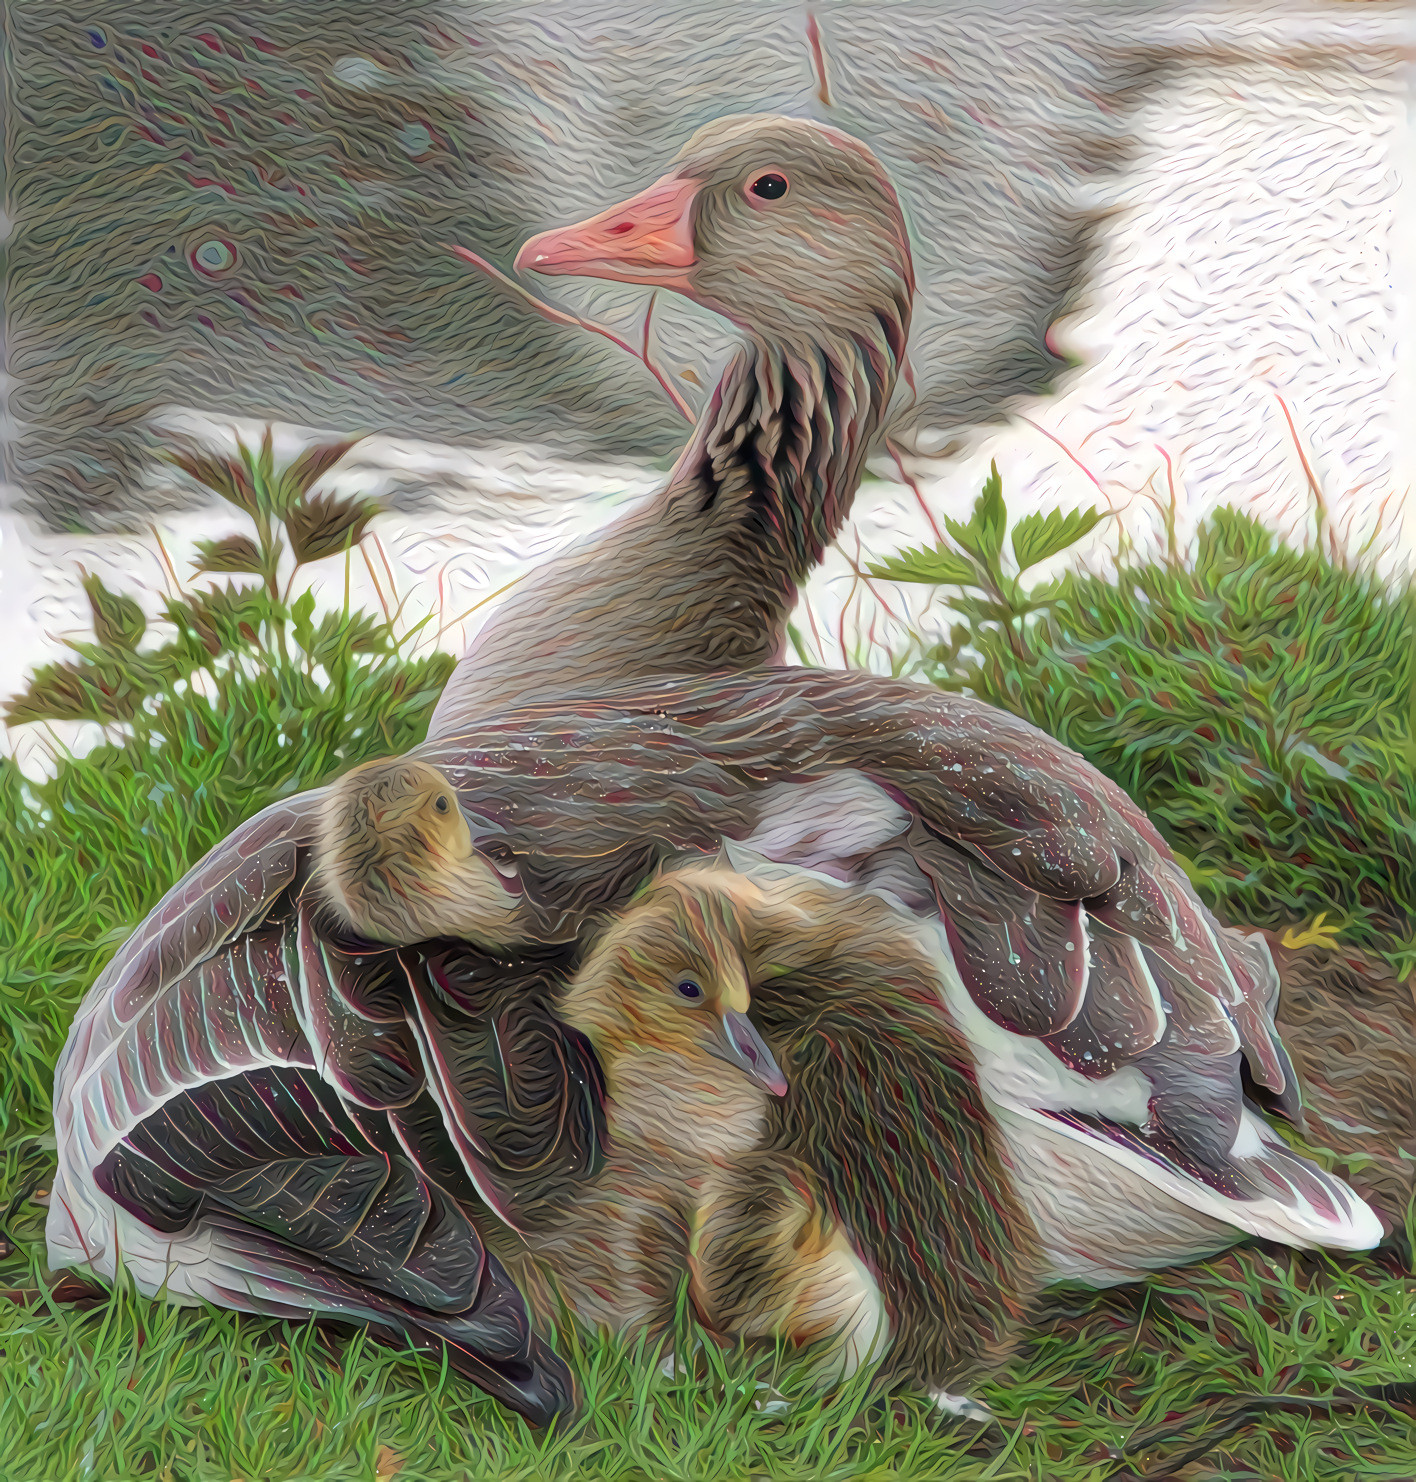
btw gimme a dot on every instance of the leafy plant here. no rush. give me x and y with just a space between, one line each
990 588
1256 704
231 627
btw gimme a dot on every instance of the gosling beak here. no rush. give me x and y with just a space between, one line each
646 239
485 834
745 1048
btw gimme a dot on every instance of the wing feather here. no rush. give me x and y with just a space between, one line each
226 893
520 1092
1122 1015
1022 956
375 1064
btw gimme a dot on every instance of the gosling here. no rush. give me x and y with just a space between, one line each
663 998
720 1173
400 861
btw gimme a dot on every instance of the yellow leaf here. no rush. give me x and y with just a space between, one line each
388 1463
1316 935
691 375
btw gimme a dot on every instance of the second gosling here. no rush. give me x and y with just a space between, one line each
853 1196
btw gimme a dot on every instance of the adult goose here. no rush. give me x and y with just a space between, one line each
256 1107
792 230
249 1087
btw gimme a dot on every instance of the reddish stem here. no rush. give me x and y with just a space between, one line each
912 483
564 316
869 586
1053 438
1319 503
1172 550
818 59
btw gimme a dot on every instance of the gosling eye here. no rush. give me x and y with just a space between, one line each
689 989
441 803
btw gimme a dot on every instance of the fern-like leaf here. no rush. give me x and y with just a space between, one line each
118 622
303 473
325 524
938 567
982 536
1037 538
233 553
224 476
76 691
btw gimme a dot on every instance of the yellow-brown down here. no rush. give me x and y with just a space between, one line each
397 861
692 1174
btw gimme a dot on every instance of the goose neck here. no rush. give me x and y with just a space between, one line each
782 446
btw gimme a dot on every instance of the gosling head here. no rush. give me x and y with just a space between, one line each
670 980
400 860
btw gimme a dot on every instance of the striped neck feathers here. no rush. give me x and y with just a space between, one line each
780 450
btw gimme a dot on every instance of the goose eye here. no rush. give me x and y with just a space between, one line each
769 187
441 803
689 989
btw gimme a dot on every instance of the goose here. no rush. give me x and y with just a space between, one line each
1123 1041
792 230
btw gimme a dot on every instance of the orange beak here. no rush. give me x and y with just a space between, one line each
646 239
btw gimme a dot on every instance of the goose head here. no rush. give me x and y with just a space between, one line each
782 225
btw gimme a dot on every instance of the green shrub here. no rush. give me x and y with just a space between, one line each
1256 703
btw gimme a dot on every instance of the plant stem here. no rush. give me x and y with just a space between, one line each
564 316
1411 676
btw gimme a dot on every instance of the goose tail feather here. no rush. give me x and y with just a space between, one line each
1263 1188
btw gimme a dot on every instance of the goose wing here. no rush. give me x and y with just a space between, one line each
243 1118
1105 997
231 890
519 1093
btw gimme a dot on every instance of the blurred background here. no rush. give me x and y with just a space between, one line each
1163 250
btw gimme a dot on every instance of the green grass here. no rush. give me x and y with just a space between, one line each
1110 1385
139 1389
